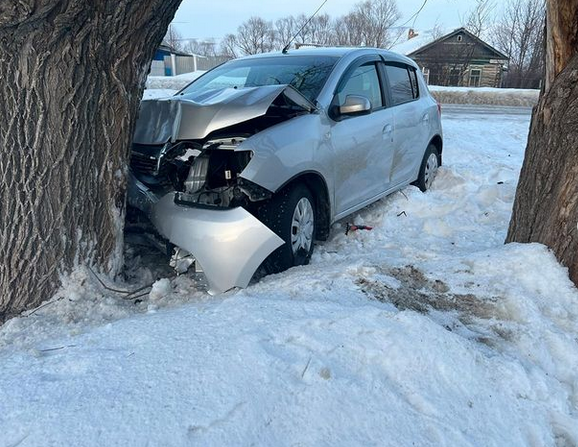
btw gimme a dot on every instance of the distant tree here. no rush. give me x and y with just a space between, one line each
73 73
318 31
546 205
520 35
285 29
174 39
369 24
228 47
201 47
479 18
255 36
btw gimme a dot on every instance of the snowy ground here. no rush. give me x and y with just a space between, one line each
426 331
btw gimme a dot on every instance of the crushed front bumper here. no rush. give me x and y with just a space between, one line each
228 244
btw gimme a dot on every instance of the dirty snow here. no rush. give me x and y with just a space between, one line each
426 331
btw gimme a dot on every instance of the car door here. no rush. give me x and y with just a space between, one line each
362 143
410 122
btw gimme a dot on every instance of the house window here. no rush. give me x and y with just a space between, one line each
460 37
425 72
475 77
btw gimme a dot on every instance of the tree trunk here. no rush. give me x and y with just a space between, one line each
546 205
72 75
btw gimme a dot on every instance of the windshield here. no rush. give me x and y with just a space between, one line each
305 73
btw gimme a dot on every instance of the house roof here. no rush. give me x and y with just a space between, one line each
427 40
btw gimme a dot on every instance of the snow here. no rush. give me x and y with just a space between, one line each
406 46
172 82
426 331
158 93
485 96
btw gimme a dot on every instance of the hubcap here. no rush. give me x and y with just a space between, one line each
302 226
431 168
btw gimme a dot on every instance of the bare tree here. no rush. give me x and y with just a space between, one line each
546 205
479 17
255 36
369 24
173 38
206 48
73 73
318 30
228 47
285 29
519 35
349 30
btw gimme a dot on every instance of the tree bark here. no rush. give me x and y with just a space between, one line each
72 74
546 204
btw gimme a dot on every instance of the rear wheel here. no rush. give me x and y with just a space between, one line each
291 215
428 169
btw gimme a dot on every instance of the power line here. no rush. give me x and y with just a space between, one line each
415 14
413 17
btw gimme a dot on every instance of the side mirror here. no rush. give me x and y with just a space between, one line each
355 105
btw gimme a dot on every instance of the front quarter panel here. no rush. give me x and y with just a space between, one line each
287 150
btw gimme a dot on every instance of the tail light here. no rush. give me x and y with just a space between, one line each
439 109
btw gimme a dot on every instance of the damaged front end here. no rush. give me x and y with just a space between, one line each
187 158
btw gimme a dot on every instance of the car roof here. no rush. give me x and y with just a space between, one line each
338 52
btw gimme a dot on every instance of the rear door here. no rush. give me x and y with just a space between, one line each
411 122
362 143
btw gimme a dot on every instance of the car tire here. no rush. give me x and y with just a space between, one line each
291 215
428 169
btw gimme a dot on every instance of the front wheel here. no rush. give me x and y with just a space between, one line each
291 215
428 169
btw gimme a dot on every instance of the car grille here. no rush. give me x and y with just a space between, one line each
143 163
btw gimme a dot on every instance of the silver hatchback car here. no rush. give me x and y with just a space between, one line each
254 160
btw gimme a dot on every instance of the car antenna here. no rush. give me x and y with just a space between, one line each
286 47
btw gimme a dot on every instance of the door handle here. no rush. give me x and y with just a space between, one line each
425 119
388 129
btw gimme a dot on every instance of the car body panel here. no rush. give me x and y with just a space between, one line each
195 116
228 244
363 155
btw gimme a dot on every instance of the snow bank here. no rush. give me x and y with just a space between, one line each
158 93
172 82
425 331
485 95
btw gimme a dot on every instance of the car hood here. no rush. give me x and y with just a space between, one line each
194 116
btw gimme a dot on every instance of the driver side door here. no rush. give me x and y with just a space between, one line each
362 143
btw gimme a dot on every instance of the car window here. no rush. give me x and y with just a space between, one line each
364 81
414 83
305 73
400 84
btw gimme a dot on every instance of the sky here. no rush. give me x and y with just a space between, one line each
201 20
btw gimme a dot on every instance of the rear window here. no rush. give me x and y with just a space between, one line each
402 84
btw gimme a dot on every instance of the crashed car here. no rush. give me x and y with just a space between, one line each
255 160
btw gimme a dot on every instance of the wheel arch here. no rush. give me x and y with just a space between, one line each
320 191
